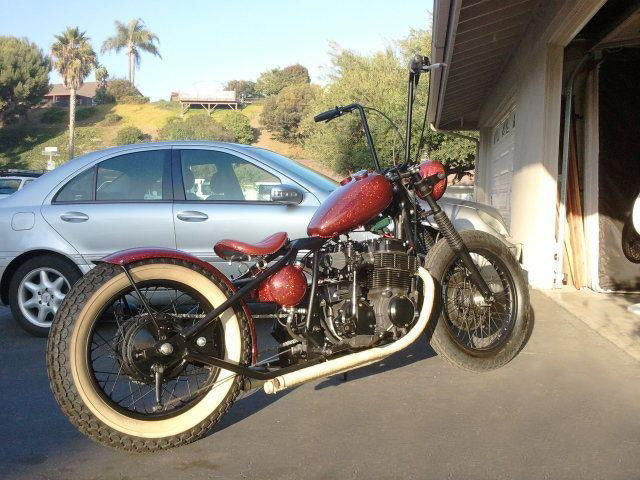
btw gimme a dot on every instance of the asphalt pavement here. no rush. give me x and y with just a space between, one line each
568 407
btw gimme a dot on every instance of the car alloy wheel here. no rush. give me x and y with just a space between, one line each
40 293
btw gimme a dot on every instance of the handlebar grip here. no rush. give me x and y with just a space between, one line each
417 62
328 115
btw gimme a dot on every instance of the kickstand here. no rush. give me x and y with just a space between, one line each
344 376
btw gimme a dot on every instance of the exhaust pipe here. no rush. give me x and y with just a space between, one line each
365 357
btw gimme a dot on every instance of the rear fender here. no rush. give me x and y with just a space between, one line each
126 257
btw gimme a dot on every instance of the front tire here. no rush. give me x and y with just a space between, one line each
85 398
461 328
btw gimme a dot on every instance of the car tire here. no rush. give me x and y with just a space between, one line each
37 288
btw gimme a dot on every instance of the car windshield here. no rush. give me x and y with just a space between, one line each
321 181
9 185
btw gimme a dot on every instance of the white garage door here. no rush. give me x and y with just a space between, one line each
501 165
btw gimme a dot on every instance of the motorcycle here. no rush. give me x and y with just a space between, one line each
152 346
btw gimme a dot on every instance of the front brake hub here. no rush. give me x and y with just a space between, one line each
140 352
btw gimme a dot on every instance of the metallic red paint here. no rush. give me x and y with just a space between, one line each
286 287
228 248
356 202
126 257
429 168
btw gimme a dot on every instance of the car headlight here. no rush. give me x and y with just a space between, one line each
495 223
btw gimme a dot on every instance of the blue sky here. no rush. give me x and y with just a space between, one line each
210 42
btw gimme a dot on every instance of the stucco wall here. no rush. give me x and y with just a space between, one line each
532 80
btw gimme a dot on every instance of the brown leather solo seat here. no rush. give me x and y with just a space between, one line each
227 249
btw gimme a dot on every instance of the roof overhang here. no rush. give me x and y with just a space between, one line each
475 38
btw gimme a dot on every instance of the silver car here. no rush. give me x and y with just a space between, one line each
184 195
13 180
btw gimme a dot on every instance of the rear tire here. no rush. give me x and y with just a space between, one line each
439 260
73 380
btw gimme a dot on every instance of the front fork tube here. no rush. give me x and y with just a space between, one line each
460 249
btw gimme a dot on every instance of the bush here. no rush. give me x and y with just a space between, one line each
54 115
195 127
85 112
128 135
123 91
102 97
283 113
112 119
237 124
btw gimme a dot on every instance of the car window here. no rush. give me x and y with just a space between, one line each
27 182
131 177
78 189
9 185
212 175
317 178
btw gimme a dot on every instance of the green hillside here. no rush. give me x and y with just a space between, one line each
21 145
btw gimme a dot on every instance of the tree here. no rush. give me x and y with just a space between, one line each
283 113
74 59
24 76
243 88
132 38
379 81
273 81
123 91
101 76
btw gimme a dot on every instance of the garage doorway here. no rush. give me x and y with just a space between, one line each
618 166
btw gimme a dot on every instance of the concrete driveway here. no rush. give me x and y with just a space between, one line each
567 407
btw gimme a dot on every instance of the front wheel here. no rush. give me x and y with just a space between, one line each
465 329
108 377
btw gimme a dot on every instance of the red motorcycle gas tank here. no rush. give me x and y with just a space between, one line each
357 201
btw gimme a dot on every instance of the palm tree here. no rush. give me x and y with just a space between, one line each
74 58
132 37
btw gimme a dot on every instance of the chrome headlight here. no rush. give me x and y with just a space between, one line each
495 223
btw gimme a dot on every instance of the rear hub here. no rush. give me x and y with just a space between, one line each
144 348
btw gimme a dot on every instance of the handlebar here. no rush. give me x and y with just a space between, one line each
335 113
328 115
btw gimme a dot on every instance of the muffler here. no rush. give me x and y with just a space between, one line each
365 357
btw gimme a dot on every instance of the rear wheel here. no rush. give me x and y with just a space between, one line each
109 378
37 289
467 330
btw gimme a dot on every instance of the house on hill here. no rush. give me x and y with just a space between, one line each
59 94
206 98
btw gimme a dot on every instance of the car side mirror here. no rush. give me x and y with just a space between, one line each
286 195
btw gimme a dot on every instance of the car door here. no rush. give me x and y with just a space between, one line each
222 193
119 203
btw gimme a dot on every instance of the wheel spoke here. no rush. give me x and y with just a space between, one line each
44 279
42 313
32 287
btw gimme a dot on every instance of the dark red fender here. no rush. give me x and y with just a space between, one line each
357 201
126 257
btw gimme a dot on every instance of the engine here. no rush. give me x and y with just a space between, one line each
368 290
